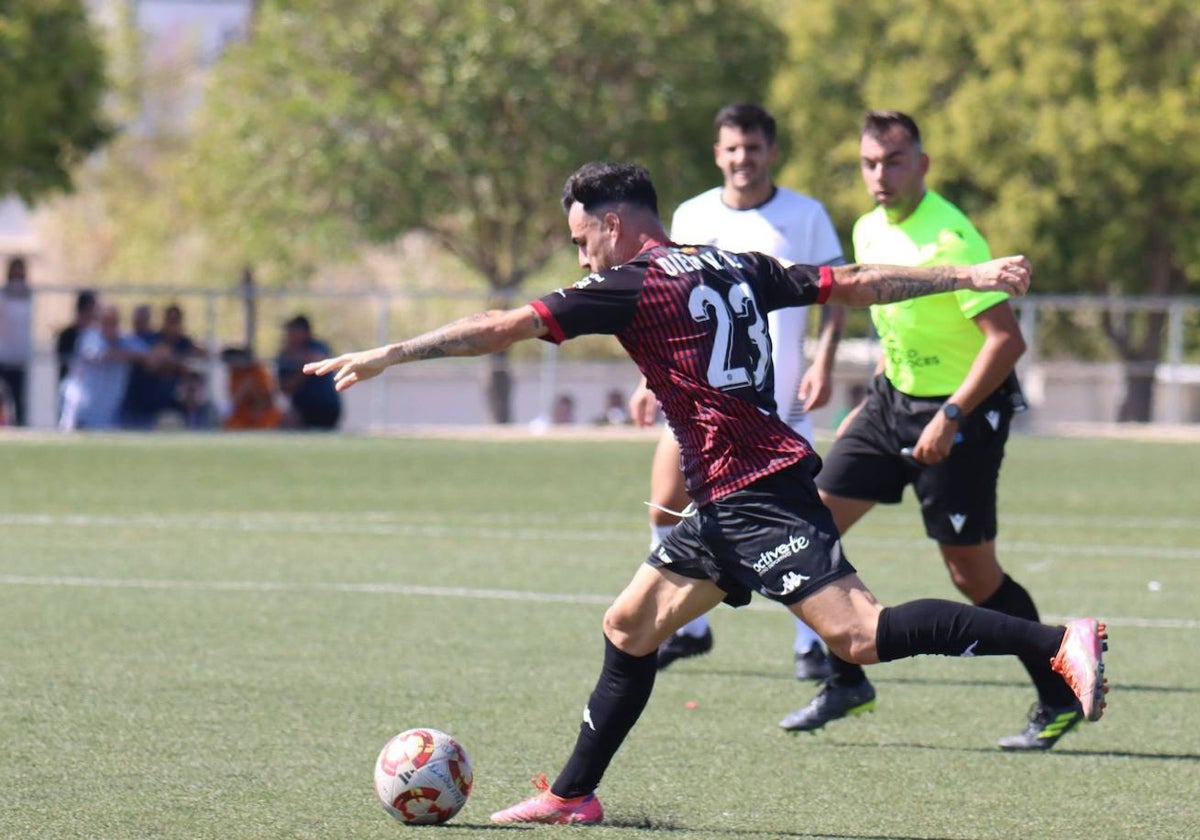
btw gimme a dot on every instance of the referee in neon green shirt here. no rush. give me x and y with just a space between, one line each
936 417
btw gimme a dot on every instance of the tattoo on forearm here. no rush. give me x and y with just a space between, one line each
458 338
896 284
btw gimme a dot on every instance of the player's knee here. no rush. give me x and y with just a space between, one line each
977 582
627 632
853 645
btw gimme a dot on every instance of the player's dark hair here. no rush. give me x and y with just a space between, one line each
878 123
747 116
599 183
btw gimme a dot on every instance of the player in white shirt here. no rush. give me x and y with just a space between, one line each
749 212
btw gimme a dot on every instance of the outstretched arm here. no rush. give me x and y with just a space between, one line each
474 335
863 285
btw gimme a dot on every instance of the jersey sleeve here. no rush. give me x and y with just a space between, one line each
598 304
793 285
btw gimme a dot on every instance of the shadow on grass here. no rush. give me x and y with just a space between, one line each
667 828
787 677
1123 688
1099 753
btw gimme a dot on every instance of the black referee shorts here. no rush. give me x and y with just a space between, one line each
774 537
957 496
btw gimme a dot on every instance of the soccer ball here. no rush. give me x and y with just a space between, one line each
423 776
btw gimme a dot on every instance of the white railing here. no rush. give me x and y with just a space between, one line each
1061 387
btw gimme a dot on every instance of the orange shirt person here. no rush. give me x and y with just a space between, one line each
252 393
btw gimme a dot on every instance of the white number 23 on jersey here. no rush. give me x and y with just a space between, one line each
737 321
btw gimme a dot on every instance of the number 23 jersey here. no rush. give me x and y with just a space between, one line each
694 320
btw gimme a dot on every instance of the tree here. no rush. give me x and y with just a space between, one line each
463 118
124 220
1066 130
51 85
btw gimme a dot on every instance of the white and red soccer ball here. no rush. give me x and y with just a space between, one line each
423 776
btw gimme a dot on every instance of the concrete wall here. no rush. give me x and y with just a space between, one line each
451 392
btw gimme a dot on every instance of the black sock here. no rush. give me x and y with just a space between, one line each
947 628
612 710
844 674
1012 599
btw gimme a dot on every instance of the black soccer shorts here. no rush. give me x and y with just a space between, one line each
957 496
774 537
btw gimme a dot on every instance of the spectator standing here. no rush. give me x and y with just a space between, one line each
140 407
315 403
16 320
178 351
65 341
99 374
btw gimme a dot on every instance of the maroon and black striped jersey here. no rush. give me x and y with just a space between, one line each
693 319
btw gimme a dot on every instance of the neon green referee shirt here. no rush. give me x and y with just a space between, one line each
929 343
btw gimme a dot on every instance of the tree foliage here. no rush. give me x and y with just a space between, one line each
461 117
51 85
1068 131
125 222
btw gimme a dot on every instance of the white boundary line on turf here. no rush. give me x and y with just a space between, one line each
439 592
316 523
616 518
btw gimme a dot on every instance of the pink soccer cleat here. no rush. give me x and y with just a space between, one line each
548 808
1080 661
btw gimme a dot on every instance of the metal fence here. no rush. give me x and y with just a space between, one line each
1071 371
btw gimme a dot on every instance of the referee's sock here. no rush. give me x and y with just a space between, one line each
931 625
612 710
1012 599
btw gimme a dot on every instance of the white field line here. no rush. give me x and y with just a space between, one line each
467 528
438 592
883 514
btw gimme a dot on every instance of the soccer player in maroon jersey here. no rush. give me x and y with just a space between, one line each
693 320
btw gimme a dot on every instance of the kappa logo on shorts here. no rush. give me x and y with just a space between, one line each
770 559
791 582
958 520
993 418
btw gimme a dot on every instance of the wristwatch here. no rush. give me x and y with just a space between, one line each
952 411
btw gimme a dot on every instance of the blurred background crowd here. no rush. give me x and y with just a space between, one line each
141 370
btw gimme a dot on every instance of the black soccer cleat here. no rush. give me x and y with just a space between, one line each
681 646
813 665
832 702
1046 725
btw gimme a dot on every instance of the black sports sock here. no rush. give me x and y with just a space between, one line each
612 710
844 674
1012 599
931 625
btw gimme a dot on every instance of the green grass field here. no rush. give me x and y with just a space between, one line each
212 637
